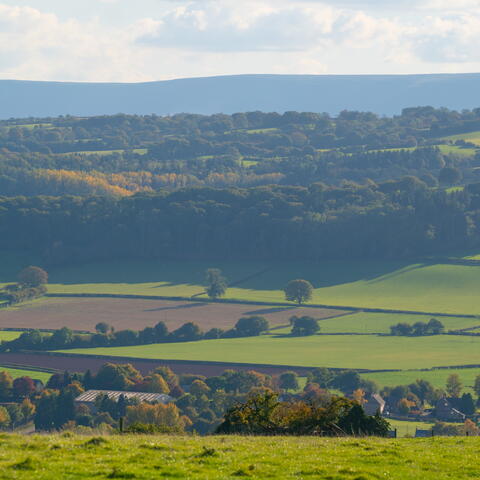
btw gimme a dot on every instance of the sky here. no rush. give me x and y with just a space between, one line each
146 40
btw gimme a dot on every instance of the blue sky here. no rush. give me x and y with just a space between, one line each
143 40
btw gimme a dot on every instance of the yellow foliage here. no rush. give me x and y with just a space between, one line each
157 414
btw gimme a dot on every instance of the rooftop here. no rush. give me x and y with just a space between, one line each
91 395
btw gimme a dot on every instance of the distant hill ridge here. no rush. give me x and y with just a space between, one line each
382 94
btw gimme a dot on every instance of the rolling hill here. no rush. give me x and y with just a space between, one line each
382 94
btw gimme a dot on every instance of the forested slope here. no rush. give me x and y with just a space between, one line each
298 186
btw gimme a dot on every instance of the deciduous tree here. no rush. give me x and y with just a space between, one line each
299 291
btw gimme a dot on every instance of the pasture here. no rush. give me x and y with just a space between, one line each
407 429
472 137
17 372
85 313
380 322
437 378
9 335
336 351
147 457
424 287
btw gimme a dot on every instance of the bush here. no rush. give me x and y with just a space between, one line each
251 326
304 326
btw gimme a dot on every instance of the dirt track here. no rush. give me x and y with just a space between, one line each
85 313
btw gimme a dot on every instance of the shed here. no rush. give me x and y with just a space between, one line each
88 398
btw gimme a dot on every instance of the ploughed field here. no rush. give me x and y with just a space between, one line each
121 313
147 457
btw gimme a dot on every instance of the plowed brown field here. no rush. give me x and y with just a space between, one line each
85 313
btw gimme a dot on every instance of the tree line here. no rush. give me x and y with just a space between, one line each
393 219
123 154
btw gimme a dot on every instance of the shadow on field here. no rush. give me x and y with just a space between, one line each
253 275
266 311
178 307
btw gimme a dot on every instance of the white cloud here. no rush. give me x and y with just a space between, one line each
210 37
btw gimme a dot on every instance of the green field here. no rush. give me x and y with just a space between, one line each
423 287
472 137
147 457
16 373
340 351
426 287
456 150
437 378
381 322
407 429
8 335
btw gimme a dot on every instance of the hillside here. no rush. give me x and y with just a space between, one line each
146 457
382 94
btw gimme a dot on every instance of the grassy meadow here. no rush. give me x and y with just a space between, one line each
426 287
7 335
336 351
147 457
16 373
437 378
407 429
365 322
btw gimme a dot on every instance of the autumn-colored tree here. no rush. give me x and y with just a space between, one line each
198 388
75 388
6 384
359 396
155 383
471 428
23 387
28 408
157 414
4 418
117 377
404 406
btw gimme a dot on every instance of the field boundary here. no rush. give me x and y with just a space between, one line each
347 308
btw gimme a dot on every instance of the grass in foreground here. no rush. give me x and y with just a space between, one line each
343 351
147 457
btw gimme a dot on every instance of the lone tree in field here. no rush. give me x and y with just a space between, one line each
299 291
216 283
33 277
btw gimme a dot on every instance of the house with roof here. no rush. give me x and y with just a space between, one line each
375 403
88 398
447 410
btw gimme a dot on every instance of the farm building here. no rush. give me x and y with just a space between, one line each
88 398
375 403
445 410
